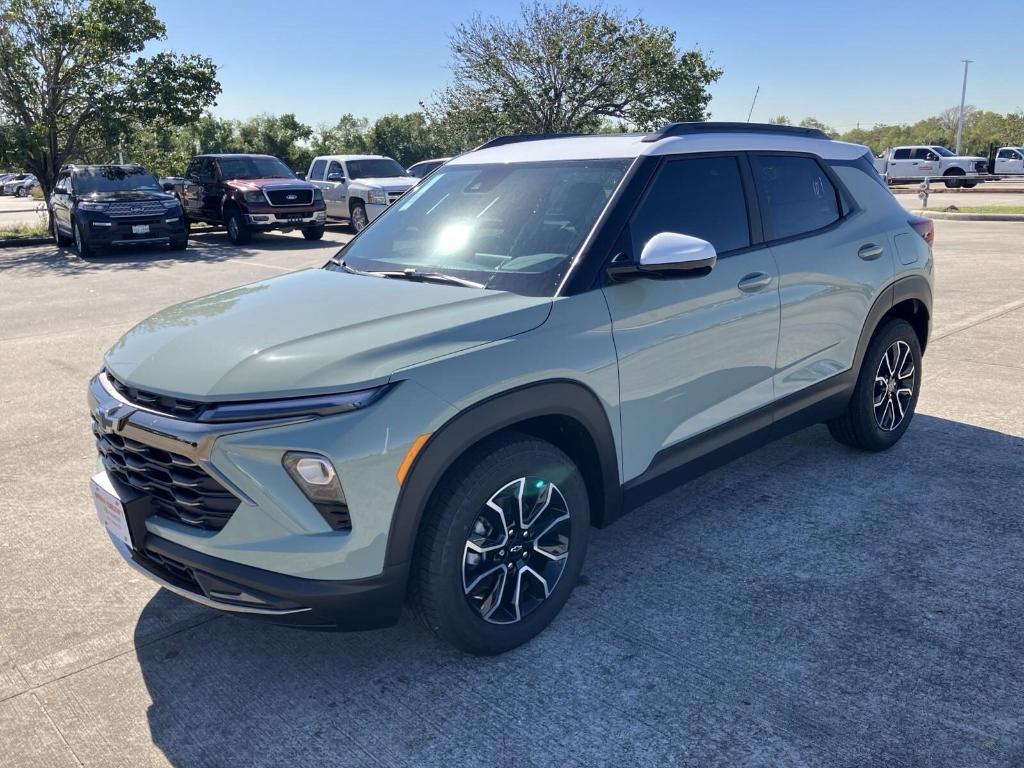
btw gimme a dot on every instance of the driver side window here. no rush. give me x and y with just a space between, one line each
335 167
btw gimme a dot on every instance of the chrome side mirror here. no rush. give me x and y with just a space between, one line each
672 252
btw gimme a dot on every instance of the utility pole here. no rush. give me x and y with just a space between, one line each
963 96
753 103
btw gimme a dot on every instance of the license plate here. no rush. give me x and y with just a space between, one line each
140 229
109 508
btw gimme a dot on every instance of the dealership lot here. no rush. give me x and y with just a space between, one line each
805 605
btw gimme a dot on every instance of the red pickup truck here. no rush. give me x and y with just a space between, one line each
250 193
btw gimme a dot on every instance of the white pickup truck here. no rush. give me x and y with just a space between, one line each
358 188
1009 161
917 162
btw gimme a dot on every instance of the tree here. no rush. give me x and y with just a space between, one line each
71 82
346 137
779 120
407 138
277 135
564 67
811 122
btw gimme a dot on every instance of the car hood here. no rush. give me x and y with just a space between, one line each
390 183
311 332
250 184
127 195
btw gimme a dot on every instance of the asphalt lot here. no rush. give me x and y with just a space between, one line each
806 605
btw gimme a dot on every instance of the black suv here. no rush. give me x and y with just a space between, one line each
97 206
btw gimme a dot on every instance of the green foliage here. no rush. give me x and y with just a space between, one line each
564 67
982 129
810 122
780 120
407 138
72 83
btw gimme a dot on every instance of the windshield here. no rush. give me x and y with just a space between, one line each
943 151
114 178
254 168
381 168
511 227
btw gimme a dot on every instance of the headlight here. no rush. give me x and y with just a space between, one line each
316 478
293 407
254 197
170 204
318 194
90 206
377 197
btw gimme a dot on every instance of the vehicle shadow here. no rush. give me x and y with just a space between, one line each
205 247
805 605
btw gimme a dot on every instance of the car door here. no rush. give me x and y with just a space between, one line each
924 162
315 176
192 190
1009 161
694 352
900 164
60 202
832 262
336 190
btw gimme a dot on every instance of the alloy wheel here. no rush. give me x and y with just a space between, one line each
894 386
78 239
359 220
516 550
233 227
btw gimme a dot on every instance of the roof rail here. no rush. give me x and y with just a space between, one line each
501 141
685 129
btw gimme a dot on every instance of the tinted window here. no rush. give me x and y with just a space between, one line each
207 169
796 194
115 178
943 151
317 171
422 169
254 168
901 154
702 197
381 168
336 168
923 153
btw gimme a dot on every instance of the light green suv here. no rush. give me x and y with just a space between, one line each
545 333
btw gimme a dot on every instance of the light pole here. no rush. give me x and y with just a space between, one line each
963 96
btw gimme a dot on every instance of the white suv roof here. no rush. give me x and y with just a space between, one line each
676 138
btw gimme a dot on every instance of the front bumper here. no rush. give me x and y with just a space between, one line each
279 220
103 231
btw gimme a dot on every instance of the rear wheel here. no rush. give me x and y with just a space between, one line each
238 233
313 233
20 192
360 220
885 396
503 545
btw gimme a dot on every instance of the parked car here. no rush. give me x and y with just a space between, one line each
20 185
912 163
357 188
1009 161
548 334
426 167
249 193
101 206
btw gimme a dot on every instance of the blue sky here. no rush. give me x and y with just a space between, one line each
843 63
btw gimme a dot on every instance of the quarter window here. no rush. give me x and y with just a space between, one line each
797 196
702 197
336 168
317 171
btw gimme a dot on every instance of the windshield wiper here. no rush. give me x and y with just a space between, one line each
409 274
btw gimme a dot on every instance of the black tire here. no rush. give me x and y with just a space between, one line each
443 556
313 233
952 178
863 425
179 245
20 192
358 217
60 239
970 184
238 233
82 247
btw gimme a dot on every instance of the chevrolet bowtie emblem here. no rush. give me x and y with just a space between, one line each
113 418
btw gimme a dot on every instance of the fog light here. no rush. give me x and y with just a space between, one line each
315 471
318 480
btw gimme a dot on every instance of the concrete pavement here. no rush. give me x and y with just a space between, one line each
807 605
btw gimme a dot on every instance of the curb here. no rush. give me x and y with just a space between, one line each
14 242
952 216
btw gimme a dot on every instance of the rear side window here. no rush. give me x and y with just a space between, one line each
901 154
796 195
317 171
702 197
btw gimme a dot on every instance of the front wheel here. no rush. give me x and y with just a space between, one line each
360 220
313 233
82 246
953 180
238 233
503 545
885 396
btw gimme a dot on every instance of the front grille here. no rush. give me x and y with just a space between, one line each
144 208
178 488
393 196
281 196
170 570
172 406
